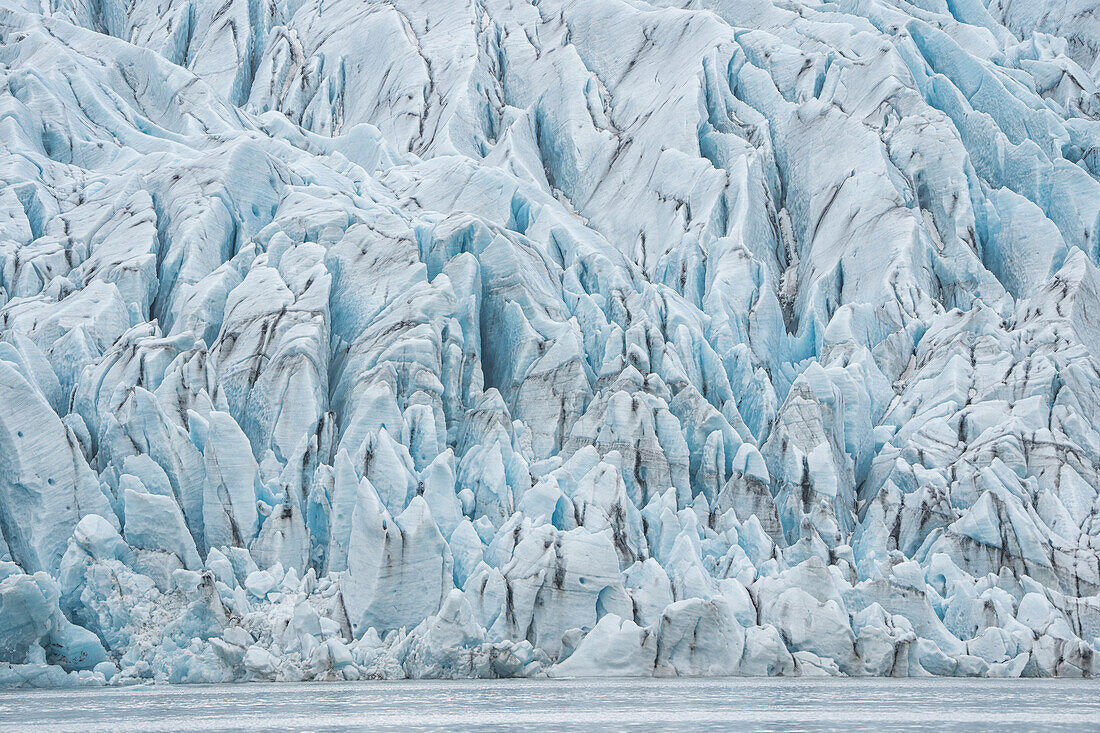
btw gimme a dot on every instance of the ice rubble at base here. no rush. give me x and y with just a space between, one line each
432 339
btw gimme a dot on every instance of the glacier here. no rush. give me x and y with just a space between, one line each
347 339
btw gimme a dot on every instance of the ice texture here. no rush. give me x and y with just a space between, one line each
422 338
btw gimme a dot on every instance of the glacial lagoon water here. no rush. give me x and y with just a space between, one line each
567 705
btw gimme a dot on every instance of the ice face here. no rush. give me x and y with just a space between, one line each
421 339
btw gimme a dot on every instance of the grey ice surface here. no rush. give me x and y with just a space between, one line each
617 704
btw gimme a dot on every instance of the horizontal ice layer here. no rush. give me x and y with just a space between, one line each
421 339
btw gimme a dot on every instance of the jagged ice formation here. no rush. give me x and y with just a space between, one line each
424 338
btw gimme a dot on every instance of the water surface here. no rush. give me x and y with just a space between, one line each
570 705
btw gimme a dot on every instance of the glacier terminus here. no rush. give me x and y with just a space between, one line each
373 339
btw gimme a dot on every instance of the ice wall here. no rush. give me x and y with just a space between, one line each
346 339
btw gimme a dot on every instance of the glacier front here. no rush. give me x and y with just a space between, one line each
348 339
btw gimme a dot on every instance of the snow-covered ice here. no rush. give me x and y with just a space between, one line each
345 339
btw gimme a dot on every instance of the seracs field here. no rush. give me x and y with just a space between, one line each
345 339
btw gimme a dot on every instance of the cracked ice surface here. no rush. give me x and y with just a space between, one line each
347 339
